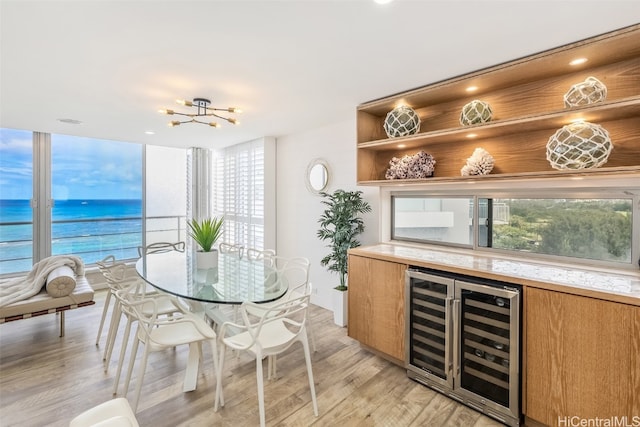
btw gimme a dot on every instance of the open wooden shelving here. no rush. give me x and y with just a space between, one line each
526 96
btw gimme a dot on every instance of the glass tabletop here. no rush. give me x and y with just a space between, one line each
234 281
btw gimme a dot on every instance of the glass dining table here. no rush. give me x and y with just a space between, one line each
234 281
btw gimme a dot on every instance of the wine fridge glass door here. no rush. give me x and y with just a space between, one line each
487 356
429 323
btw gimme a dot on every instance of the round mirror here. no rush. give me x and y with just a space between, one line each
317 177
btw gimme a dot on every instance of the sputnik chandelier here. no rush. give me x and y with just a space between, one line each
203 110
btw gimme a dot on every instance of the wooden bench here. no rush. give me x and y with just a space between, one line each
43 303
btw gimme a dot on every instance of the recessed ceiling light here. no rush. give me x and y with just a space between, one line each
471 135
471 88
401 145
578 61
149 132
383 1
70 121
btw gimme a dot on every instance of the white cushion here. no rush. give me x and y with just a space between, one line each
61 282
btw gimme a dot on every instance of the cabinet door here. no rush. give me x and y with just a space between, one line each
376 304
582 358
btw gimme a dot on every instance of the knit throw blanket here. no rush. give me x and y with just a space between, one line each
25 287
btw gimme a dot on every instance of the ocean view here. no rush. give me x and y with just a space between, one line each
91 229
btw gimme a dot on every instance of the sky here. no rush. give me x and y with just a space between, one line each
83 168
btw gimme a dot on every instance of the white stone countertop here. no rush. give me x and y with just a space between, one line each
614 285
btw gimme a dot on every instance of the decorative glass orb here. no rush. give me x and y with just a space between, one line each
579 145
587 92
476 112
401 121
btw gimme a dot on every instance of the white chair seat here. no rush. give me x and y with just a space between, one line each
112 413
274 337
171 335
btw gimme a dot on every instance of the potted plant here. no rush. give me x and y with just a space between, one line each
340 224
205 233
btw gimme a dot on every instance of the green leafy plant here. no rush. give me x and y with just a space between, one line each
340 224
206 232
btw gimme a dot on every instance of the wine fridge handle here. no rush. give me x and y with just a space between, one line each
456 338
448 328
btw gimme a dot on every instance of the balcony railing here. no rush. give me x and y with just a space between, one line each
90 239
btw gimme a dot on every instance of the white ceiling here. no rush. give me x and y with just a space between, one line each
290 65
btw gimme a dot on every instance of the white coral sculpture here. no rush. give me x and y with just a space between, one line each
480 163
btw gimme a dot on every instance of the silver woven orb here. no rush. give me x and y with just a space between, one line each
587 92
476 112
580 145
401 121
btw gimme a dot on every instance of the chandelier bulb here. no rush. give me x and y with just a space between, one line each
233 121
214 124
184 102
166 111
174 123
234 110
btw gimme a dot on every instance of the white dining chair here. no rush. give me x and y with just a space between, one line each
157 333
296 274
159 247
276 331
112 413
266 255
230 248
104 266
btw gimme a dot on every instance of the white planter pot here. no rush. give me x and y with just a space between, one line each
340 307
207 260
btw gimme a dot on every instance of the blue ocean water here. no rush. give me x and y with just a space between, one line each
91 229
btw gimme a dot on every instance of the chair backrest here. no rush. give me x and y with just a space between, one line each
293 312
139 306
229 248
159 247
258 254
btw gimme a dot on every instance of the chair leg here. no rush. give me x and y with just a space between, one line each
219 398
132 361
111 337
260 378
61 324
312 336
123 349
307 356
143 368
104 316
214 353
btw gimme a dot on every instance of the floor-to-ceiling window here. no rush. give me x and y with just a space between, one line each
85 196
97 198
16 214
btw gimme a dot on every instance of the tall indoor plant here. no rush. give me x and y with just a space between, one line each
340 224
206 233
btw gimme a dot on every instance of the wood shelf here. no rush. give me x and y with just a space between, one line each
526 96
552 174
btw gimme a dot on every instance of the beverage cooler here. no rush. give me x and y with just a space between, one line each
463 340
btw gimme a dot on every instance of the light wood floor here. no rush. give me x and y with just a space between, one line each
46 380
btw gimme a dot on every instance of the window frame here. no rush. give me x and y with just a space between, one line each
615 188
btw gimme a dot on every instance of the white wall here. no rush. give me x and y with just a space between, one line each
298 210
